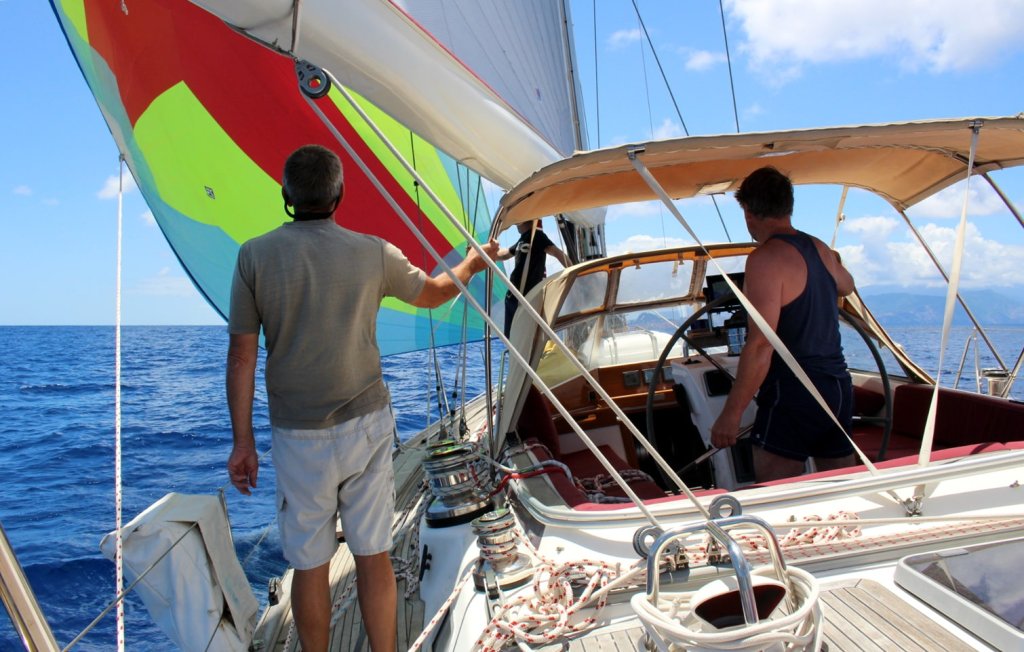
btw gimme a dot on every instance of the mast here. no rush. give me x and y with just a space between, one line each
583 242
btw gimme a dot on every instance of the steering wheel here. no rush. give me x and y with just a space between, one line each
886 419
663 446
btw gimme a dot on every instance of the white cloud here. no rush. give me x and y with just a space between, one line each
668 129
638 243
22 190
987 263
165 284
701 60
939 35
753 110
871 228
624 37
949 203
110 186
148 218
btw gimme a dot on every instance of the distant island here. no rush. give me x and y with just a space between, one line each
925 308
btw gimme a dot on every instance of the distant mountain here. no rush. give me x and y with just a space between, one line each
926 308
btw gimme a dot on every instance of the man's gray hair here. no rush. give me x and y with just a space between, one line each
312 177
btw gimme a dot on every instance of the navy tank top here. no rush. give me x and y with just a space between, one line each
809 324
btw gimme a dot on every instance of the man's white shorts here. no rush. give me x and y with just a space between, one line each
345 469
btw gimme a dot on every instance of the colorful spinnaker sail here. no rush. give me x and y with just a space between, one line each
205 118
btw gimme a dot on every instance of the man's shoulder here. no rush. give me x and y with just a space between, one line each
270 236
771 248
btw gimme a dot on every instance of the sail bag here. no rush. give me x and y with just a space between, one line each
197 594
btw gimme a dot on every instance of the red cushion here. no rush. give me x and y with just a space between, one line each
585 464
962 417
907 460
866 401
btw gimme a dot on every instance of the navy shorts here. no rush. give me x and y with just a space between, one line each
790 423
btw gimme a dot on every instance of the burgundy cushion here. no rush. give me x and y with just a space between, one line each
962 417
866 401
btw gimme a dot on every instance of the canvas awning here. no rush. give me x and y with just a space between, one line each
901 162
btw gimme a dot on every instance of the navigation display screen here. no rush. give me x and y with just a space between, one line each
717 287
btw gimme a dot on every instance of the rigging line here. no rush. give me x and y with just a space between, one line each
464 335
839 217
679 112
963 302
597 78
657 60
494 269
119 600
119 540
442 401
650 115
728 61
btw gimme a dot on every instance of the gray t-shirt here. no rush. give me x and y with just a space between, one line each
316 288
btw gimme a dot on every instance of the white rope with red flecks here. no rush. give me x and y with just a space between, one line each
550 611
439 616
823 533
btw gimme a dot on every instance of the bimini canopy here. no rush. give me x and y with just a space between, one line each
902 162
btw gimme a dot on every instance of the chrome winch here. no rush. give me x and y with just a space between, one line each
457 479
501 564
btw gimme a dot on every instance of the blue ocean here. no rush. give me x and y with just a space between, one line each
57 449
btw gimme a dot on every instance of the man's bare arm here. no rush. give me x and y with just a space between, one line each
440 288
240 381
558 255
834 264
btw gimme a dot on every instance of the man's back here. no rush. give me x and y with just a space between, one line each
316 289
808 316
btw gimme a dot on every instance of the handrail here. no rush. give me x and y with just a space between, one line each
778 496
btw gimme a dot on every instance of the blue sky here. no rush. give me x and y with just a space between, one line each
795 63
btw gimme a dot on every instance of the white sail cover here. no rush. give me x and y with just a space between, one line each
197 594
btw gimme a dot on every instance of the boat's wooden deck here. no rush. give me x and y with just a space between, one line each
865 615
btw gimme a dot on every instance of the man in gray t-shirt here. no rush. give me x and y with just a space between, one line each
314 289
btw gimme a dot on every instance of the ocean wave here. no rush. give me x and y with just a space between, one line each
61 388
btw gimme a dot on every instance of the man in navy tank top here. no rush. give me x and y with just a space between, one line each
794 280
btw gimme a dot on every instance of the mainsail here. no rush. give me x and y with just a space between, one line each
205 117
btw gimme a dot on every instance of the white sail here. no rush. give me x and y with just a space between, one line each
520 49
381 52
